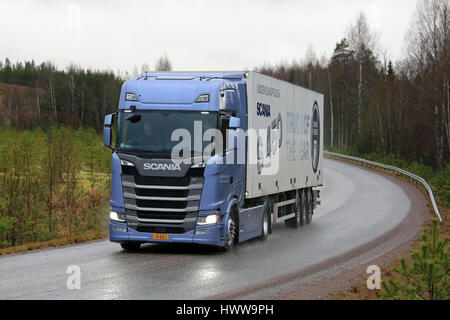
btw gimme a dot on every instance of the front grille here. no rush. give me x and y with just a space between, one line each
169 203
127 170
162 181
161 204
162 193
160 215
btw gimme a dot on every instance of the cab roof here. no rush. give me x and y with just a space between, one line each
178 90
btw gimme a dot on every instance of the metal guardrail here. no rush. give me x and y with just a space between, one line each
406 173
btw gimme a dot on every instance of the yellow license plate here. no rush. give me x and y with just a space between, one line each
159 236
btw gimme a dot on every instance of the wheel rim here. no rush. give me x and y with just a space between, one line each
299 214
265 224
304 209
309 206
231 232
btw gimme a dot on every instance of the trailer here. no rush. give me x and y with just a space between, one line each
213 158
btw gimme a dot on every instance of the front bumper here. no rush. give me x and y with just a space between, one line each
208 235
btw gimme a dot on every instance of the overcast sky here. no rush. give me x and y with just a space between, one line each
195 34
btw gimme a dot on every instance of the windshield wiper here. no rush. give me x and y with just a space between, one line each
134 118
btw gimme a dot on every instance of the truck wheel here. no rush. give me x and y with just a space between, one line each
131 246
232 229
266 227
299 219
309 207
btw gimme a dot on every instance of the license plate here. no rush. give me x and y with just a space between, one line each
160 236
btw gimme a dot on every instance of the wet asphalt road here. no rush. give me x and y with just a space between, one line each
357 206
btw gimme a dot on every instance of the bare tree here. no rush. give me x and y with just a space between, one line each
163 64
428 48
362 41
135 72
331 110
52 98
38 98
72 92
311 61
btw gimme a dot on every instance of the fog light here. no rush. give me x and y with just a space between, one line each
202 231
209 219
120 228
119 217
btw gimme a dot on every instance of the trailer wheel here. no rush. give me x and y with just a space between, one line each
299 219
232 230
130 246
309 207
266 225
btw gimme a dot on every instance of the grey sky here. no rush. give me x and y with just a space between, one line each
195 34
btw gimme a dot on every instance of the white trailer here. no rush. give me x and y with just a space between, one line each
287 157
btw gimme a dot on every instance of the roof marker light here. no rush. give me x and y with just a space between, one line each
203 98
131 97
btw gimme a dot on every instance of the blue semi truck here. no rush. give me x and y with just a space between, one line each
213 158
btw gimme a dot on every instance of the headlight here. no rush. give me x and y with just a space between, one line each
119 217
126 163
208 220
131 97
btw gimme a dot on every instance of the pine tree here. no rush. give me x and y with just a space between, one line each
428 276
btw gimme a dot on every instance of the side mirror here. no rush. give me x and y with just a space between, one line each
107 131
235 123
108 120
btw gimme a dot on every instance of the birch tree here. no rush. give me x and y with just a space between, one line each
362 42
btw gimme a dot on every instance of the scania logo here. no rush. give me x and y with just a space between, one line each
162 166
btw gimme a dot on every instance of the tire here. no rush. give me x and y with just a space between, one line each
130 246
266 227
309 207
232 232
299 219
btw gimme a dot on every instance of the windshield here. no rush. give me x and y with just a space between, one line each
151 131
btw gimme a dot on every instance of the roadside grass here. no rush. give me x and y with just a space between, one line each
360 291
63 238
87 181
54 186
87 236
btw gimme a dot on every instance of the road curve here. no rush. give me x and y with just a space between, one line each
358 206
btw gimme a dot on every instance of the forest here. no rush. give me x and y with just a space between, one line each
375 105
54 183
54 170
